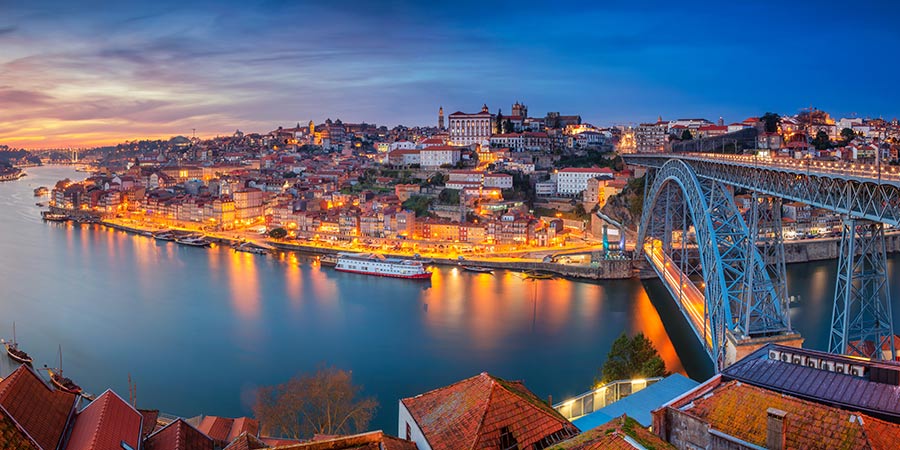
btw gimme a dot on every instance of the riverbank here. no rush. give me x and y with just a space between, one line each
809 250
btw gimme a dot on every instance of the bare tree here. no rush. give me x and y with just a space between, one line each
326 402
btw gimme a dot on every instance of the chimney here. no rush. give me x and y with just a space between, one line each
775 429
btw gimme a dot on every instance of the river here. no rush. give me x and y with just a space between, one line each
199 329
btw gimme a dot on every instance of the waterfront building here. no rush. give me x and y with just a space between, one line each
511 229
481 412
248 205
470 129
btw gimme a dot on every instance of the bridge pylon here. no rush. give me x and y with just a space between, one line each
861 321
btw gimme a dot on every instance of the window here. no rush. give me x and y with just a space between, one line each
507 440
408 432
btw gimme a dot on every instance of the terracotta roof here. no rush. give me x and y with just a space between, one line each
373 440
178 435
472 413
246 442
614 435
740 410
106 423
41 411
586 170
148 424
225 429
14 436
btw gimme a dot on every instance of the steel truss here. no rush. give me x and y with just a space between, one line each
728 259
767 232
865 198
861 322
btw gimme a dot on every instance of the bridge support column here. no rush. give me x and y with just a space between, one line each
861 321
766 232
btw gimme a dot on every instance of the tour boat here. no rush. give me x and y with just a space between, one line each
54 217
193 241
378 265
328 260
164 236
41 191
61 382
12 349
478 269
535 275
249 248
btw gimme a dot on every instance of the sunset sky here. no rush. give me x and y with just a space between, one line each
81 73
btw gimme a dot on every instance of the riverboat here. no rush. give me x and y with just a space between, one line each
478 269
193 241
54 217
10 174
164 236
379 265
328 260
535 275
61 382
14 352
247 247
41 191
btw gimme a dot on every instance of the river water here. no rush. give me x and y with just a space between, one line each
199 329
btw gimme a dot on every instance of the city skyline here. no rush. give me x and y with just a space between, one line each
101 73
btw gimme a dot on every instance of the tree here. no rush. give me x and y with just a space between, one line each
686 135
499 121
278 233
449 197
821 141
419 204
325 402
508 126
771 121
847 135
630 358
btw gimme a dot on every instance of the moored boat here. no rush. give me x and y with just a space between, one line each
14 352
478 269
193 241
379 265
54 217
248 247
535 275
328 260
61 382
164 235
41 191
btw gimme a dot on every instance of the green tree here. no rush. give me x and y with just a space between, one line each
821 141
579 211
630 358
500 121
508 126
686 135
771 121
419 204
449 197
278 233
847 135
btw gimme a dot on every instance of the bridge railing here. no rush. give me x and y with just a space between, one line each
859 170
601 396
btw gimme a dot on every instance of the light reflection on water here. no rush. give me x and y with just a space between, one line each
196 328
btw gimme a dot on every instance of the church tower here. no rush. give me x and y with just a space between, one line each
441 118
312 127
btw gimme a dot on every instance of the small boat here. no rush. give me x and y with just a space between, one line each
193 241
12 349
164 236
478 269
61 382
535 275
328 260
54 217
41 204
248 247
41 191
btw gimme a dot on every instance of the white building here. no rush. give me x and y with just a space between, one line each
498 180
545 188
573 180
512 141
469 129
439 155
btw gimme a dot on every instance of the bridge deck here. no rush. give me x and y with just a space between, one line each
689 298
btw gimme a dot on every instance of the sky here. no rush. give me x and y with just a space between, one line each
84 73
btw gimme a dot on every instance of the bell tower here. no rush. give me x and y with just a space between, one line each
441 118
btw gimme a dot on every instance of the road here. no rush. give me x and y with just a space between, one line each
691 299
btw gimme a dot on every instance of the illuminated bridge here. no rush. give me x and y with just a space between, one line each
726 270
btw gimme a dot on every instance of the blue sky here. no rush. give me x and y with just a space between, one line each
84 72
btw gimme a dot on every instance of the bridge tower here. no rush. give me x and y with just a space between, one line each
861 321
766 232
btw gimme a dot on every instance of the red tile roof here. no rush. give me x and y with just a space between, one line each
373 440
106 423
178 435
471 413
148 424
614 435
40 410
225 429
740 410
246 442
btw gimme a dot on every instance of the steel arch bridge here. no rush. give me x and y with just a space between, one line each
726 246
738 295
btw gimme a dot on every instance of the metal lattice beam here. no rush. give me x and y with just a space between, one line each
861 322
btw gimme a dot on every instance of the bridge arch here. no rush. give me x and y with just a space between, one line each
738 296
